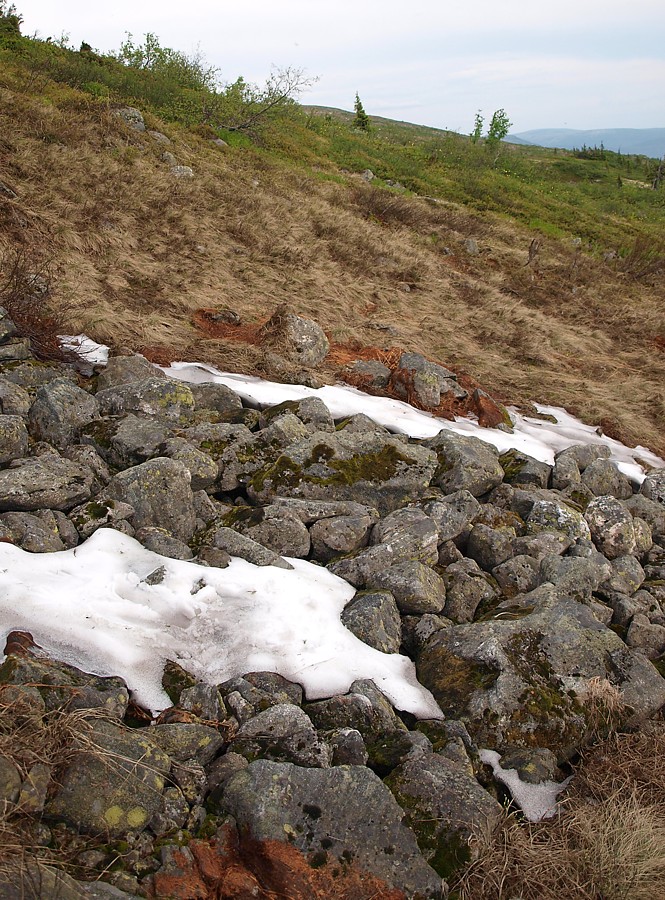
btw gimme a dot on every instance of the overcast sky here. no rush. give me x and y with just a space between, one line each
569 63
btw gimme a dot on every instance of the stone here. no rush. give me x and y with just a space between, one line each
15 349
261 690
125 370
216 396
547 515
236 544
132 117
584 454
574 576
369 373
31 533
603 478
348 747
518 575
284 733
172 814
524 681
14 400
182 171
185 741
161 494
653 486
13 439
280 531
60 411
453 514
45 482
160 541
467 586
416 588
341 813
34 789
361 424
520 468
163 398
464 463
611 526
114 785
410 534
376 470
373 616
646 637
204 700
201 466
301 340
444 806
339 535
423 381
310 410
489 547
96 514
10 784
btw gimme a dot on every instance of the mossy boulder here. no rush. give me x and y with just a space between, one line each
523 682
114 785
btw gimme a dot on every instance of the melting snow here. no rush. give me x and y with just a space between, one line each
537 801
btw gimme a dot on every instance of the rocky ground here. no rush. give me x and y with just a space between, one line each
530 597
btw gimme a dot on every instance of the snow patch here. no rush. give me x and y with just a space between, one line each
537 801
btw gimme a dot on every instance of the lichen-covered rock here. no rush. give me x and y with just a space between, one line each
465 463
114 785
378 471
202 467
14 400
160 492
64 686
184 741
310 410
342 813
547 515
30 532
603 478
13 439
216 396
467 586
260 690
302 341
132 117
653 486
95 514
370 373
45 482
523 682
444 806
584 454
626 576
158 540
373 616
520 468
489 546
425 381
416 588
574 576
643 635
517 575
410 534
280 531
60 411
126 369
163 398
284 733
236 544
611 525
338 535
453 514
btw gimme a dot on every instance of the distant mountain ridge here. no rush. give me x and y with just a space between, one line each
644 141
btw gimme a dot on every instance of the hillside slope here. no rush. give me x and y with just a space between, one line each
544 284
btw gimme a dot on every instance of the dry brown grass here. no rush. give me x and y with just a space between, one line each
608 842
144 251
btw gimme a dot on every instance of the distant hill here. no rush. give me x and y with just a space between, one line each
643 141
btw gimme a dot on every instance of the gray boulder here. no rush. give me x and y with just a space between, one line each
602 477
161 494
339 535
240 545
611 525
163 398
653 486
30 532
418 378
453 514
410 534
467 586
13 439
344 814
60 411
126 369
490 546
520 468
45 482
378 471
124 441
444 806
416 588
14 400
201 466
548 515
114 785
216 396
284 733
524 682
373 616
464 463
300 340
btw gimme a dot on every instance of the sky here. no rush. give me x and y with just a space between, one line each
573 64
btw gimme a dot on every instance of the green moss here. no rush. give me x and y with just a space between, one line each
243 515
175 679
286 474
102 431
453 680
512 462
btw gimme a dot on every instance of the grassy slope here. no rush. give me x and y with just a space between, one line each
133 252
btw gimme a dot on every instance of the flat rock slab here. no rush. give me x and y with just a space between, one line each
345 813
45 482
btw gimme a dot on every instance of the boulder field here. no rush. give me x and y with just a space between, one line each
530 597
